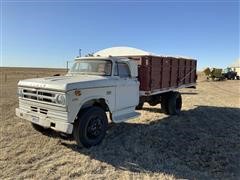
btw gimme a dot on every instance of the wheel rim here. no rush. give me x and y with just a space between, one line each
95 127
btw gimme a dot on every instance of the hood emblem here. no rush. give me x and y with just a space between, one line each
39 85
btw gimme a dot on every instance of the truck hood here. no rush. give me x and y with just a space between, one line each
66 83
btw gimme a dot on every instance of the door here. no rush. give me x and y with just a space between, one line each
127 90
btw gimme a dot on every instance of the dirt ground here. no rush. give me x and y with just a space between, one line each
201 143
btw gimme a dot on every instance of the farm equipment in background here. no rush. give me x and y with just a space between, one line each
230 74
214 74
220 74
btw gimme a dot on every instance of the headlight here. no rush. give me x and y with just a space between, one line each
61 99
20 92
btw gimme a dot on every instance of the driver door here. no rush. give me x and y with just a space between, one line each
127 90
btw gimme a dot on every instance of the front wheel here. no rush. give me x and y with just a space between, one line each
90 127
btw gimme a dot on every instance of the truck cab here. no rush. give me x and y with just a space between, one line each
77 102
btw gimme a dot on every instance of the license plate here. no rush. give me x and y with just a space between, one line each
35 119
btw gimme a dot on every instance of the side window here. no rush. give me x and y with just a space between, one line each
122 70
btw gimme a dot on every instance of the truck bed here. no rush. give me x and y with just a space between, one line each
160 74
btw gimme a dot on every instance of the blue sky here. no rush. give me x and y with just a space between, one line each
47 34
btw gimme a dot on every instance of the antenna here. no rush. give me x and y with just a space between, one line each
80 52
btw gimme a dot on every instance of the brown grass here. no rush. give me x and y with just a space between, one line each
203 142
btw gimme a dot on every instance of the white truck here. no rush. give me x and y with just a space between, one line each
77 102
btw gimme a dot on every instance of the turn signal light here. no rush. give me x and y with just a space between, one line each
78 93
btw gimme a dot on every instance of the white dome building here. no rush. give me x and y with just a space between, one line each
122 51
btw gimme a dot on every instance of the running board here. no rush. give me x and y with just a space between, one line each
125 115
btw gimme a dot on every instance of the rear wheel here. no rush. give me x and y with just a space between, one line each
90 127
171 103
175 103
164 103
229 76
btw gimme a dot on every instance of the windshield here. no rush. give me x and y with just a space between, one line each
92 67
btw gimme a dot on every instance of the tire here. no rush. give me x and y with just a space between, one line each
164 103
90 127
171 103
175 103
139 106
39 128
229 76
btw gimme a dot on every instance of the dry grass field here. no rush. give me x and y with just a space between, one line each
201 143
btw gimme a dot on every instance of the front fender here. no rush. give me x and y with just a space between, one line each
75 103
93 98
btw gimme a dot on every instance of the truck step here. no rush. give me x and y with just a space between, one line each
125 117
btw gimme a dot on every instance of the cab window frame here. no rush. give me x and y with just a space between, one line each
116 70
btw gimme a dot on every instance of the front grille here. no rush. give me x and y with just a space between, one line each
34 109
39 95
39 110
43 111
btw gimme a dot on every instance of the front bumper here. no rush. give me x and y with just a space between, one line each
45 121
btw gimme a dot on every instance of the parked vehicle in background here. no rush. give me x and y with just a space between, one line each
115 81
230 74
214 73
220 74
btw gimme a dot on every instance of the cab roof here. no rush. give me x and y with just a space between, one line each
101 58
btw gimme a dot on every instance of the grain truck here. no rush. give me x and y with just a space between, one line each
108 86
